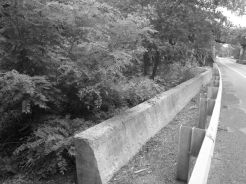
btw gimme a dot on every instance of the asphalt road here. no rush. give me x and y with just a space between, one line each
229 161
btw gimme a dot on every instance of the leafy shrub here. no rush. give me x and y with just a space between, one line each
24 92
50 150
80 59
21 97
139 89
17 180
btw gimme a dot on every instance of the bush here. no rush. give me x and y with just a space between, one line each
61 58
23 99
49 149
67 65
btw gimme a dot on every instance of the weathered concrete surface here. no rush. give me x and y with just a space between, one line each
106 147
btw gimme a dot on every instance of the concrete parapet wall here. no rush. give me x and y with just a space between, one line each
103 149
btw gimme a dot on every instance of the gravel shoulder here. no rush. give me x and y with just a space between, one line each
156 161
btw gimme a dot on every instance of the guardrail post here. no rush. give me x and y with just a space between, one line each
190 141
215 71
216 83
210 106
184 153
197 137
212 94
217 77
202 111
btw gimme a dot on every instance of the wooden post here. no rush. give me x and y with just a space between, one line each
210 106
184 153
197 137
215 71
191 166
214 78
212 92
190 141
202 111
216 83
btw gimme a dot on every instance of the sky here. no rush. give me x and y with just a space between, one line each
236 20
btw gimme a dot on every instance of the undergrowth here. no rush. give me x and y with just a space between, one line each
68 65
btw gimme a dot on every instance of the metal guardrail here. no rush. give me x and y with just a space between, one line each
196 145
201 169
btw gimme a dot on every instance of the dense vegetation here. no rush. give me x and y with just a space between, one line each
234 44
66 65
238 41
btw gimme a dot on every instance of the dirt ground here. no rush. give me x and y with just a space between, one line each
156 161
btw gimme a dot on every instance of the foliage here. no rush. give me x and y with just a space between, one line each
62 57
22 99
53 140
23 92
138 90
237 40
67 65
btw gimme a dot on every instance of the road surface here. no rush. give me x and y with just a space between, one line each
229 161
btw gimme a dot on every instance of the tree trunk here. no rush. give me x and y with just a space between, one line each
242 54
146 61
213 51
156 64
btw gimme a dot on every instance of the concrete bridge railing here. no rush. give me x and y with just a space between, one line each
105 148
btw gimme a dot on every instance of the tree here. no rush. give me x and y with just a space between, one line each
64 59
68 64
195 24
238 37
